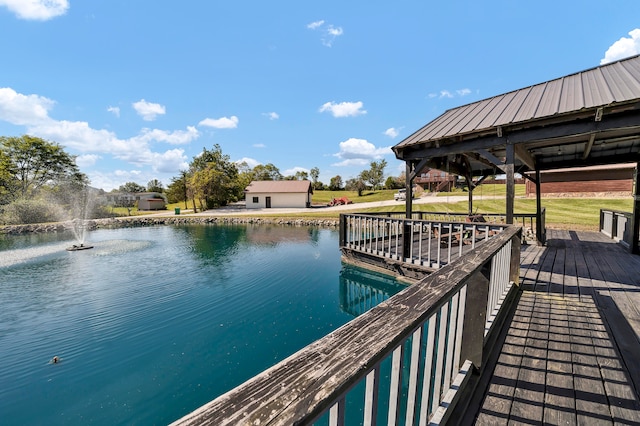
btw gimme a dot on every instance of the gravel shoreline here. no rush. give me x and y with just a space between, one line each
141 221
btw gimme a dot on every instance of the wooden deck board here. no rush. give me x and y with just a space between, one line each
570 353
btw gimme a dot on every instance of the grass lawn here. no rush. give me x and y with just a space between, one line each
561 213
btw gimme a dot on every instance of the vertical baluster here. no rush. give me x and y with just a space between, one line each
377 234
458 345
474 234
452 327
411 225
442 334
427 382
450 244
461 240
420 245
372 389
336 413
439 244
413 376
429 235
394 392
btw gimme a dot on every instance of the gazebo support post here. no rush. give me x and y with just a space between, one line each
539 229
635 230
511 185
409 188
471 187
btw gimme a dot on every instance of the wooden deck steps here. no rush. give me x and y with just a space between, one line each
571 354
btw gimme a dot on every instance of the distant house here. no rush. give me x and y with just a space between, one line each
150 201
432 180
266 194
609 179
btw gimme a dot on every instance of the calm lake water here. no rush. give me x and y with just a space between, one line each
155 322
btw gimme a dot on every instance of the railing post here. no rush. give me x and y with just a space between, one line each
514 269
475 316
407 239
343 230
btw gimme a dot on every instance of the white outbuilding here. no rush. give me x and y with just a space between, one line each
266 194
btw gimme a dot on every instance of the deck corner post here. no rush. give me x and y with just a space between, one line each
475 317
514 269
343 230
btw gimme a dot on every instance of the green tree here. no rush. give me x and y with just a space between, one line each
335 184
266 172
154 185
29 163
356 184
301 175
177 189
213 178
132 188
375 174
245 175
315 174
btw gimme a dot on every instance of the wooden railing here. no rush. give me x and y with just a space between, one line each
406 361
527 221
617 225
425 243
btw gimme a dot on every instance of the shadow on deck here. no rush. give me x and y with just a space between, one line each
570 353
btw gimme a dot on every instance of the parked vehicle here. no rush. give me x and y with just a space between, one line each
401 195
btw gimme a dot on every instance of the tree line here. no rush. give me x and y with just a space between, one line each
38 179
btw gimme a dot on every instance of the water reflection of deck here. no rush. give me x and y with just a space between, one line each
361 290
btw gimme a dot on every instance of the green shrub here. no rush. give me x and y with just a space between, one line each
26 211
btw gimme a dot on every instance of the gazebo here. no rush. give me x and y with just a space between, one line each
583 119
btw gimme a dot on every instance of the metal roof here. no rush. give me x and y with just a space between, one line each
604 86
279 186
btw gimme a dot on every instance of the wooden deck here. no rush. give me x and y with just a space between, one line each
571 354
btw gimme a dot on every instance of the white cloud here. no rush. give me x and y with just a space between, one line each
343 109
32 112
449 95
392 132
114 110
293 171
87 160
271 115
177 137
359 152
220 123
329 32
315 25
250 161
169 161
20 109
148 110
259 145
623 48
39 10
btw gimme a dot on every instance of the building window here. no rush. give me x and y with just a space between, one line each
255 200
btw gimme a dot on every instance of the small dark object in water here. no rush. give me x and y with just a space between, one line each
78 247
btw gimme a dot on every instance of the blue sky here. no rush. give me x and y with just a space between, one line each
136 88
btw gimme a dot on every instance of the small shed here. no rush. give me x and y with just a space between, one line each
266 194
151 201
